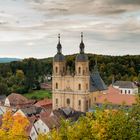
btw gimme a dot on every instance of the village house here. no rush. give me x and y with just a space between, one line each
15 100
115 97
126 87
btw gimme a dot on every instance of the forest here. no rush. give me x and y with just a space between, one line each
26 75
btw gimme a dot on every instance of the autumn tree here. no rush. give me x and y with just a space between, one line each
13 127
103 124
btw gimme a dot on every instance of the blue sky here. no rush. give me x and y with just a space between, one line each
29 28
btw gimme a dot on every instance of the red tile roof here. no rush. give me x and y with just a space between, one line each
115 97
45 102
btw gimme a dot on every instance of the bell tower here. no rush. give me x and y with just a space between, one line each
82 63
59 65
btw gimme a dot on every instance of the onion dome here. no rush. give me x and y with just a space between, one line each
82 57
59 57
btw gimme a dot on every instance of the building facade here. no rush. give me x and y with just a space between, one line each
126 87
75 90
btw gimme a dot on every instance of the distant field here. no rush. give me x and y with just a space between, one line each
39 94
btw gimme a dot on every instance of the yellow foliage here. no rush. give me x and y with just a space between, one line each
13 127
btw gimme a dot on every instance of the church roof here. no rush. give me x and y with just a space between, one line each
82 57
96 82
59 57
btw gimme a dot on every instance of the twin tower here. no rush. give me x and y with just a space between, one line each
77 91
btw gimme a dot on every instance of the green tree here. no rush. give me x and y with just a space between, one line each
3 89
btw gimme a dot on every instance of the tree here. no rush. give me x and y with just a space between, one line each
3 89
103 124
13 127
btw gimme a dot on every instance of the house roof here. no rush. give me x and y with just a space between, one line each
17 99
31 110
114 96
31 119
125 84
52 121
68 113
44 102
96 82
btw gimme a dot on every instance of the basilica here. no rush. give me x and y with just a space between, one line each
75 90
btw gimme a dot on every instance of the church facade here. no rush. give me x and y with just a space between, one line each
75 90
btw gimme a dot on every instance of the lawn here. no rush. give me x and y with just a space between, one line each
38 94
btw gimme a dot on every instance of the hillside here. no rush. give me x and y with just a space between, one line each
7 60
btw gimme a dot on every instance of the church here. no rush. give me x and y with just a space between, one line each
76 90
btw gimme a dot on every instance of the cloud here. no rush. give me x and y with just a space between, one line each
34 24
100 7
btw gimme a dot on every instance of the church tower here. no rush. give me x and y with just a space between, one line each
59 70
59 66
77 90
82 67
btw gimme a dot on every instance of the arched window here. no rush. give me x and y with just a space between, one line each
79 86
79 102
86 86
56 69
56 85
68 101
79 70
86 105
56 101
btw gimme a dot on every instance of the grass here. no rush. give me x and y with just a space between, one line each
38 94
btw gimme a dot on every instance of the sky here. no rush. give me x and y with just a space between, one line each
29 28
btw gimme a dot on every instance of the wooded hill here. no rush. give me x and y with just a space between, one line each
26 75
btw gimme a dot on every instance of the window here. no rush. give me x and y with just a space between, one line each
87 105
79 102
68 101
79 70
56 69
125 91
56 101
121 91
95 99
129 91
86 86
44 130
56 85
79 86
